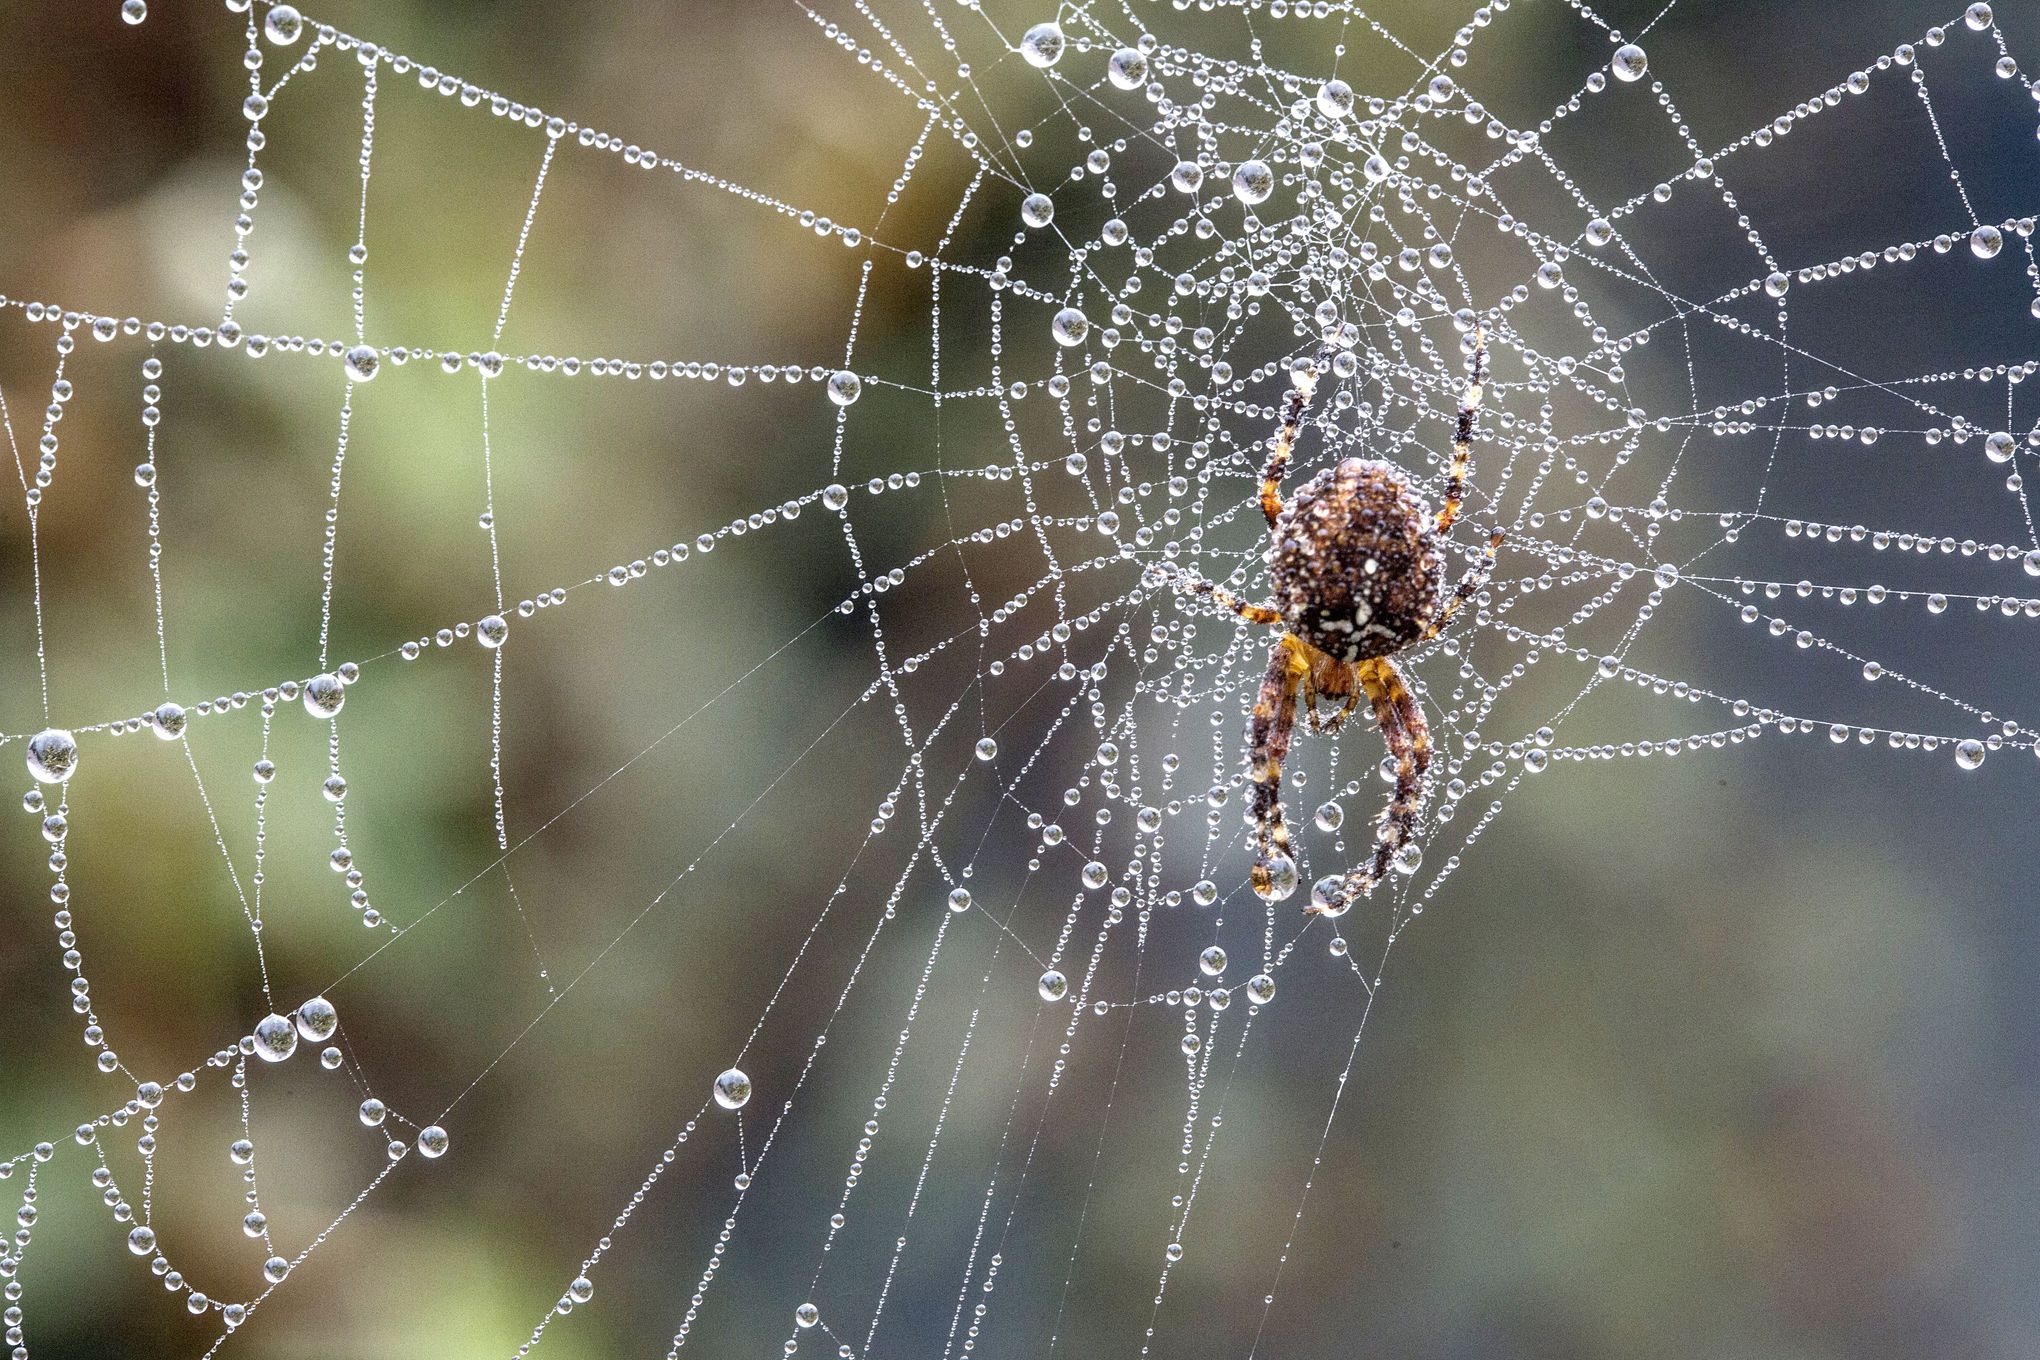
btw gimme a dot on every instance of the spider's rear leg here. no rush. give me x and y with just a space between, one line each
1269 730
1284 440
1462 436
1409 742
1469 586
1223 598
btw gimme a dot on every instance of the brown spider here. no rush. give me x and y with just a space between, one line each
1358 575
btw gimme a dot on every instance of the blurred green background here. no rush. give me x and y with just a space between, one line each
1725 1055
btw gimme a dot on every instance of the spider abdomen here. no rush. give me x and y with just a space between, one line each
1354 564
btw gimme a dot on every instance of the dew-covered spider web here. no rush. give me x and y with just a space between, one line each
747 842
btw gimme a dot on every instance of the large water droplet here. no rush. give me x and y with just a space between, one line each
324 694
1280 881
52 755
282 25
732 1089
1042 45
275 1038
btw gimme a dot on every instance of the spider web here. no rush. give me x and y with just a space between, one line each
804 695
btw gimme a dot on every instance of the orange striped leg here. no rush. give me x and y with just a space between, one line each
1269 730
1225 599
1409 742
1462 437
1469 586
1284 442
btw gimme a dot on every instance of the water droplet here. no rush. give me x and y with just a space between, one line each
141 1240
1069 327
987 749
1329 817
1600 231
1095 874
1260 989
1037 210
432 1141
1969 754
1053 986
282 25
1281 880
492 631
134 11
316 1020
373 1111
324 694
1042 45
1985 242
845 387
1630 62
1335 99
732 1089
275 1038
362 363
1328 896
53 753
807 1315
167 722
1127 69
1212 961
959 899
1977 16
1253 182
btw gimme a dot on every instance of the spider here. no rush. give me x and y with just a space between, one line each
1357 571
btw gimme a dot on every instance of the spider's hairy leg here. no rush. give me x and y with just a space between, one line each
1269 730
1462 436
1284 442
1225 599
1409 743
1469 586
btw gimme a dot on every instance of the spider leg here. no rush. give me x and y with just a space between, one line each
1409 742
1268 734
1284 441
1462 438
1225 599
1469 586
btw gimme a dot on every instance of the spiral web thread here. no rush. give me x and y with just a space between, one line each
1189 219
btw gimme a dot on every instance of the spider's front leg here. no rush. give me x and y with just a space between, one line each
1409 742
1269 730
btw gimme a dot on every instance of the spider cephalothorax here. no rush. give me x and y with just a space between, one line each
1358 574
